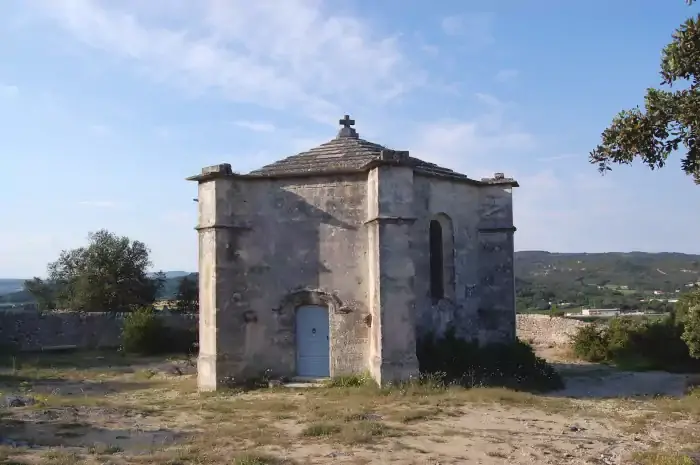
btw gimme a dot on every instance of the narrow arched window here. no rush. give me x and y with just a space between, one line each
437 281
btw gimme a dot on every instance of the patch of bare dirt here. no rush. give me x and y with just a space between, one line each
550 338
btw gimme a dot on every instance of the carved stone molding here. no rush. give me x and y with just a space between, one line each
308 296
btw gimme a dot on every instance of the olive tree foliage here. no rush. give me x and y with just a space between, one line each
671 118
687 313
109 274
685 303
43 292
691 331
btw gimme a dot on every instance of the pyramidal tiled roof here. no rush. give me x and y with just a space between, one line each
348 153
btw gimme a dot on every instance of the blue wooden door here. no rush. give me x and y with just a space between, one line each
313 342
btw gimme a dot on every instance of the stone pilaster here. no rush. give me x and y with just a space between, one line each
392 355
221 274
496 265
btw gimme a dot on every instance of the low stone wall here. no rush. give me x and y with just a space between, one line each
543 330
32 331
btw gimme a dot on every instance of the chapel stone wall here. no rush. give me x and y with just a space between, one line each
456 206
303 243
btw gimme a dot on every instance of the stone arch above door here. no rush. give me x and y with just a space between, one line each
308 296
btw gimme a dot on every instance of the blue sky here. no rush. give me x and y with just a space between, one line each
105 108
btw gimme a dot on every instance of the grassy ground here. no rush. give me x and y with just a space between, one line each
108 409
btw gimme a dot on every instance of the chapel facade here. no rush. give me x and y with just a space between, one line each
337 260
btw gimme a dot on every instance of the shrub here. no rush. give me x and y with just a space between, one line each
144 333
512 365
691 331
591 343
636 344
684 305
141 332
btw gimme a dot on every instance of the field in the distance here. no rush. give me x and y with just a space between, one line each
106 409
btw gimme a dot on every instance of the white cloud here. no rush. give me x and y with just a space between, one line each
458 145
469 146
507 75
8 91
559 210
569 211
256 126
291 54
475 28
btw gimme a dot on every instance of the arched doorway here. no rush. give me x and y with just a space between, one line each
313 341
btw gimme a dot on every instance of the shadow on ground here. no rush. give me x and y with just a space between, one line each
66 428
31 385
102 360
598 381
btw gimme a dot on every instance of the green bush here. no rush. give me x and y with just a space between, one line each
144 333
636 344
591 343
691 331
466 363
685 303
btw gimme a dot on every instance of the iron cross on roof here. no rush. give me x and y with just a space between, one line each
346 122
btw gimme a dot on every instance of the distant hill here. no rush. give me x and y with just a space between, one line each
639 270
601 279
169 289
8 286
176 274
17 295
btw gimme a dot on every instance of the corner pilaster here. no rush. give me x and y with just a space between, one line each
390 217
220 275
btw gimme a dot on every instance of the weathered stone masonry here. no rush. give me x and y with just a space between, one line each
346 226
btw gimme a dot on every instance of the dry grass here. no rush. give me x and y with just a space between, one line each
131 413
662 458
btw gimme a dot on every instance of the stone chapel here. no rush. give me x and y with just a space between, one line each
337 260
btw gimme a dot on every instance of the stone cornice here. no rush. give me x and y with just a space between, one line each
234 226
391 219
510 229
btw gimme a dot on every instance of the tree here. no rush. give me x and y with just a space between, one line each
110 274
187 295
671 119
685 302
43 293
691 331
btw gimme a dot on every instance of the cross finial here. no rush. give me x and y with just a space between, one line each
346 121
347 130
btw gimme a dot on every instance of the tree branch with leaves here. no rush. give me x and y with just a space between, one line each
671 118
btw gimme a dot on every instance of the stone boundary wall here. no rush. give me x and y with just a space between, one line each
546 331
34 331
